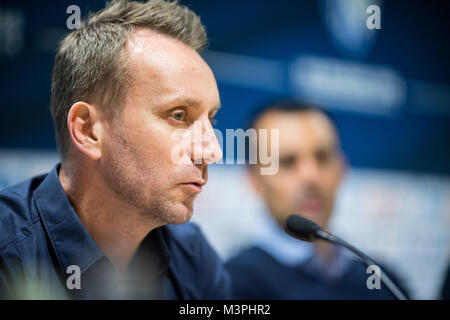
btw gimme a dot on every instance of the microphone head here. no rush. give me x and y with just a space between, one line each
301 228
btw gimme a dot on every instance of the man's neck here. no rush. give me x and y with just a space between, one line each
116 227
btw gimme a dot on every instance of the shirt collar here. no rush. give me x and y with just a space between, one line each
72 243
292 252
284 248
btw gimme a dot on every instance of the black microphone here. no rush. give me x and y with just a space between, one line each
307 230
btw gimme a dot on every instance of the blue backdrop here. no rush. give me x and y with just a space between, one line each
388 89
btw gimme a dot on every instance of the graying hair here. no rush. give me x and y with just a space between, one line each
90 63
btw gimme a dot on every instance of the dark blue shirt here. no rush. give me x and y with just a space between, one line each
258 275
42 240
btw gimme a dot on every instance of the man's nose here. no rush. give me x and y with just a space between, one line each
308 171
205 147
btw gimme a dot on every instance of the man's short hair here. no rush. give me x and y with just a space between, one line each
91 63
286 105
289 106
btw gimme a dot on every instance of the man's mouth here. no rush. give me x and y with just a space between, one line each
311 205
195 185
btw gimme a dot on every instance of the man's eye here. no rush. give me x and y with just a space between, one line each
179 115
323 157
287 162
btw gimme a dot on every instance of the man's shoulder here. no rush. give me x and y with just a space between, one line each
252 264
254 274
16 209
250 257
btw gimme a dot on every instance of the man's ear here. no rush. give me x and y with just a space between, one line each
85 129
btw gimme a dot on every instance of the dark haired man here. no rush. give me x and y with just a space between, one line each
311 165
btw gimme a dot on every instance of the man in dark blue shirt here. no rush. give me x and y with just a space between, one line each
132 102
41 237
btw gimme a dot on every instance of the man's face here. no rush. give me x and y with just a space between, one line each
172 87
310 167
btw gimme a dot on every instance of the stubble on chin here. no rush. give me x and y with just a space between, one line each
168 212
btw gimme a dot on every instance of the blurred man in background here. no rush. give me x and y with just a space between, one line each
311 166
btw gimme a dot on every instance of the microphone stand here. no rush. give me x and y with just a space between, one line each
390 285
